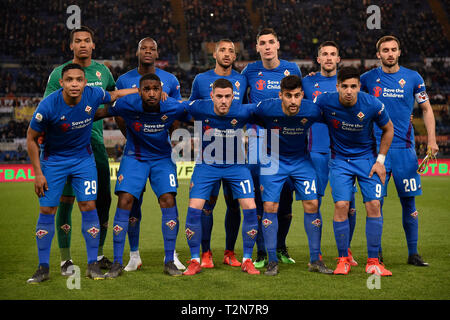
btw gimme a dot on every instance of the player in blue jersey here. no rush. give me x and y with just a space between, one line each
398 88
318 138
147 53
225 55
65 119
288 119
264 78
147 155
351 116
221 158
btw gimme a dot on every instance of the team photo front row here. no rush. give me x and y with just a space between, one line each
262 134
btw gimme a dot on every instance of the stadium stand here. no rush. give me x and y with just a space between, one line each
33 41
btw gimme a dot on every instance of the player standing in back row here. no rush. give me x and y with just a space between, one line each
398 87
264 79
147 53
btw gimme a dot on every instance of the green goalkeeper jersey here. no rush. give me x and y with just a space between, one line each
98 75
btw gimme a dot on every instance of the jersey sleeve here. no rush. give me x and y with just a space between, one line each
40 118
175 91
363 80
117 108
119 84
297 72
420 93
53 82
382 117
195 91
101 96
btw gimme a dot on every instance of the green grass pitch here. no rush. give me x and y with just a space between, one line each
18 255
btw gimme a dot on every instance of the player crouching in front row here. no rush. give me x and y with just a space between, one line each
65 118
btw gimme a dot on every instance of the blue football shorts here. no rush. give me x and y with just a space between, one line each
206 177
402 164
344 173
82 173
133 174
301 173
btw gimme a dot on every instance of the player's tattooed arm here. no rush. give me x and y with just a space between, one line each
386 140
40 182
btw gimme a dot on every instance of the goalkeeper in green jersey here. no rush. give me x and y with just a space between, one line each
97 74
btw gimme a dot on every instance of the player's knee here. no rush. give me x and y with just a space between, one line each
86 205
125 201
167 200
341 210
311 206
212 200
48 210
67 199
373 208
270 207
247 203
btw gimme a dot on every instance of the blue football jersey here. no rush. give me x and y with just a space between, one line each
318 139
202 85
351 128
265 83
169 82
292 130
147 132
66 129
222 137
397 91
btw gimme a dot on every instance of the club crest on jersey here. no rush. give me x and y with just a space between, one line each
304 121
66 228
171 224
237 84
88 110
164 118
117 229
266 222
360 116
41 233
233 122
99 75
317 223
120 178
402 82
93 232
286 72
189 233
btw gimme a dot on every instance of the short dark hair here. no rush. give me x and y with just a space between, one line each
347 73
71 66
149 76
265 31
291 82
222 40
386 39
222 84
81 29
328 43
